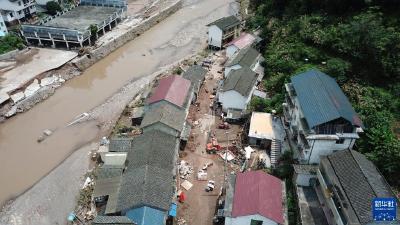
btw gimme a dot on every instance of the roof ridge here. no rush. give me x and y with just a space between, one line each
362 171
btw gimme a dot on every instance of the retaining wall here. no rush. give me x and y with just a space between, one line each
86 61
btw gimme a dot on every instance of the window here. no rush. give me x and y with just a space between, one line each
2 24
11 15
256 222
340 141
19 3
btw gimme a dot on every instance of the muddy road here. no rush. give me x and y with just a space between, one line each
23 161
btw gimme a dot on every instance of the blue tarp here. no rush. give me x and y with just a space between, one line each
146 216
172 210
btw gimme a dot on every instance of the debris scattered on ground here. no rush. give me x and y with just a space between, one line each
185 169
201 175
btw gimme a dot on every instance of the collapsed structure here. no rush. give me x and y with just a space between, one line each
75 26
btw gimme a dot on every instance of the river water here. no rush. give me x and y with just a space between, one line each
23 161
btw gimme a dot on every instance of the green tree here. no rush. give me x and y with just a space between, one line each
53 7
10 42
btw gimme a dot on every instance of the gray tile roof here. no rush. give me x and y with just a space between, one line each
148 179
120 144
111 220
226 22
146 186
246 57
154 148
360 180
241 80
167 114
321 99
196 74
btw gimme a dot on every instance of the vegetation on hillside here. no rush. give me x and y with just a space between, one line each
355 41
10 42
53 7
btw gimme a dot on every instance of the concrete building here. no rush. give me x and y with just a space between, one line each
320 117
246 57
236 91
73 27
255 198
3 27
15 11
222 31
267 132
347 183
243 41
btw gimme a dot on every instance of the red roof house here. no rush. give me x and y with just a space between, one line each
257 197
243 41
173 89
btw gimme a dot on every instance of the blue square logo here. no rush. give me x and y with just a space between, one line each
384 209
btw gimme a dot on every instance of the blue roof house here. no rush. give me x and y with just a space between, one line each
320 117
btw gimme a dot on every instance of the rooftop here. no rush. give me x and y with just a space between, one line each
166 114
118 144
305 169
257 192
322 100
80 18
262 126
246 57
196 74
173 89
226 22
244 40
241 80
361 185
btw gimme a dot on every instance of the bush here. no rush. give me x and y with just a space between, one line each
53 7
10 42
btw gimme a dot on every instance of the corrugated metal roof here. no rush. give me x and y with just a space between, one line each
246 57
174 89
321 99
361 185
225 23
241 80
257 192
147 216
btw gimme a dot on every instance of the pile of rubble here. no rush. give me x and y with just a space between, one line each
185 169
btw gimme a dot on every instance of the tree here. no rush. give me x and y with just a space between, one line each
53 7
10 42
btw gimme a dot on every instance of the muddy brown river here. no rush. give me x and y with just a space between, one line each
23 161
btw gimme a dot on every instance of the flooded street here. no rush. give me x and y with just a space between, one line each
23 161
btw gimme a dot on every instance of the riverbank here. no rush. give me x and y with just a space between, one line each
180 35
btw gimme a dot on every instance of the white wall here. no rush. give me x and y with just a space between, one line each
232 99
231 50
215 36
324 147
229 68
246 220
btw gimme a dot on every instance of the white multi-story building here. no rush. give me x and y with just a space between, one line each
320 117
222 31
13 11
3 28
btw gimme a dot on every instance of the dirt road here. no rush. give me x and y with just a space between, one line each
24 161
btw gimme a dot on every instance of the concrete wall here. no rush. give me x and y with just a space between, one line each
85 62
232 99
246 220
320 148
215 36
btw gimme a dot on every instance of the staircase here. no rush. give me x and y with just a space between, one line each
275 152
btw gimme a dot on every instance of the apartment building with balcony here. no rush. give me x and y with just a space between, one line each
13 11
222 31
321 119
347 184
